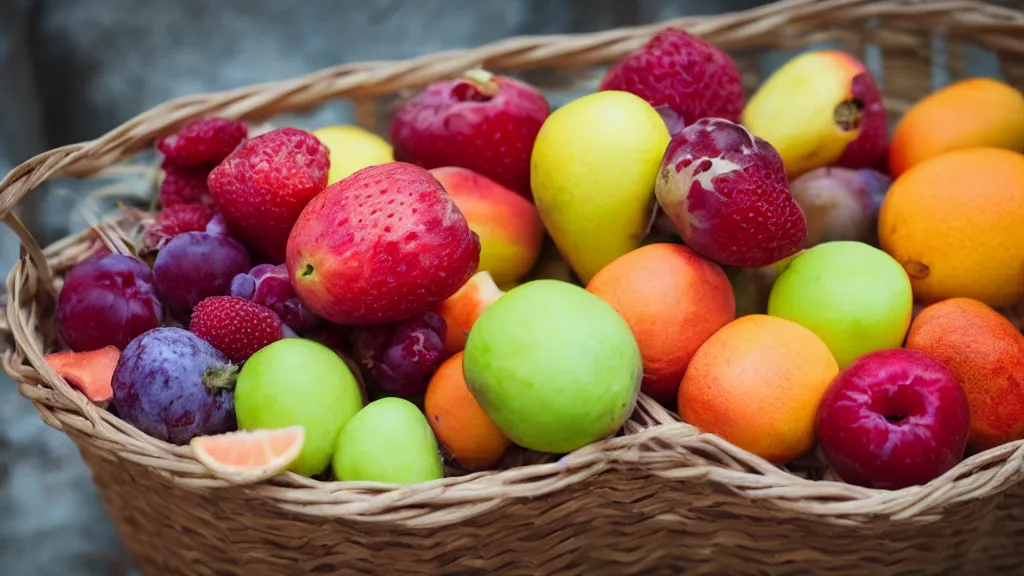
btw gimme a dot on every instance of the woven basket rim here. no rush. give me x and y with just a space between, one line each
669 448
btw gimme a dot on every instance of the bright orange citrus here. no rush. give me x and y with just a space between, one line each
248 456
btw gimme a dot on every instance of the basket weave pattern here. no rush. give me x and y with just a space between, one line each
658 499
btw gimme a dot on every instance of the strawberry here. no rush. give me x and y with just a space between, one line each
202 142
237 327
261 187
685 78
481 122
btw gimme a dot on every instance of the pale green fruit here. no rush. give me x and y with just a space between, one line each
554 366
855 297
298 382
388 441
592 171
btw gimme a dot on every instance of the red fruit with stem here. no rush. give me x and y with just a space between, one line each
381 245
482 122
727 194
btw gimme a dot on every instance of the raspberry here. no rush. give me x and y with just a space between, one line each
237 327
177 219
184 185
685 78
261 187
481 122
203 142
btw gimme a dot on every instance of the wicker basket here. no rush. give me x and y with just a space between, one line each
658 499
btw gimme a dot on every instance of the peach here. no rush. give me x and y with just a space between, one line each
757 383
985 352
462 309
509 226
821 108
969 113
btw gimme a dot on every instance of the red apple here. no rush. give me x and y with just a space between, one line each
893 418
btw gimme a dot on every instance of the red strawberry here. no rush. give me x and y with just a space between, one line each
237 327
203 142
684 77
379 246
481 122
177 219
184 185
728 195
263 186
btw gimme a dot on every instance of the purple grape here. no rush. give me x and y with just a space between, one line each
173 385
197 265
107 301
402 356
269 285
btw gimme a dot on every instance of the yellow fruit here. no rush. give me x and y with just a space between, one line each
956 223
352 148
592 171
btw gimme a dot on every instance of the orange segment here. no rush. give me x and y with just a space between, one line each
89 372
249 456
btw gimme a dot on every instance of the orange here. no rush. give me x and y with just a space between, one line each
673 300
459 422
249 456
91 372
955 224
968 113
757 383
985 352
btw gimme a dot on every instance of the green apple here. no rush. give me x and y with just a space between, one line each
854 296
298 382
554 366
388 441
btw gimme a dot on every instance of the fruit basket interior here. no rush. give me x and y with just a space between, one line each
658 496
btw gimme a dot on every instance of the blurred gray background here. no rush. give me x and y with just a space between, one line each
72 69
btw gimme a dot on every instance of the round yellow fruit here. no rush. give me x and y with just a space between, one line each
352 148
592 172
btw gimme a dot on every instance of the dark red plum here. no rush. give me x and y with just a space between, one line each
401 356
107 301
196 265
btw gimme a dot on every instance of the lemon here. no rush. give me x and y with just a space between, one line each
352 148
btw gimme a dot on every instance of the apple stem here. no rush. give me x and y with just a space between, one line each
220 377
483 81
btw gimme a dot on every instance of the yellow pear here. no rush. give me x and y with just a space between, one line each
351 149
592 172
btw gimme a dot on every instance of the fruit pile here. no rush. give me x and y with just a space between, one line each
776 269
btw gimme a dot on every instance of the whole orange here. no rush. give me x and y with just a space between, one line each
956 224
673 300
985 352
459 422
757 383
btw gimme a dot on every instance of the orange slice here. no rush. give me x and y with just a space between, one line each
89 372
249 456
